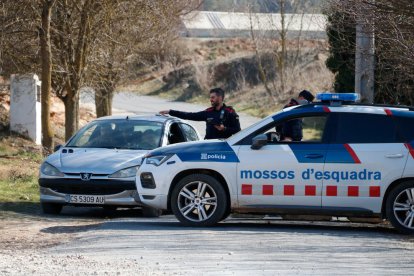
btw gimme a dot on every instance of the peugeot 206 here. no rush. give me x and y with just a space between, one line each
97 166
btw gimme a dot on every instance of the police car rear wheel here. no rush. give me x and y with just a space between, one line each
400 207
199 200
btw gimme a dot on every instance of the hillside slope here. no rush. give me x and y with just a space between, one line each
232 64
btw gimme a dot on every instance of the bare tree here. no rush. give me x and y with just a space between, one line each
393 24
287 54
25 26
154 27
46 61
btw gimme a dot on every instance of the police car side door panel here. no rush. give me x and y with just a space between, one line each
362 182
357 174
273 175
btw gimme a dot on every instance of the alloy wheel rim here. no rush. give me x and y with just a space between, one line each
197 201
404 208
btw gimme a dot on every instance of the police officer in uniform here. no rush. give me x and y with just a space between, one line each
221 120
292 129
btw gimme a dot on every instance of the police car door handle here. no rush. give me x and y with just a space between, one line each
395 155
313 155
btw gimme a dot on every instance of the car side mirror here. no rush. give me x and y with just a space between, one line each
57 147
259 141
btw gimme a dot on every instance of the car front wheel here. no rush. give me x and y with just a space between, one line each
400 207
199 200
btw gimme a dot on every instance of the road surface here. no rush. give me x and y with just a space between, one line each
125 243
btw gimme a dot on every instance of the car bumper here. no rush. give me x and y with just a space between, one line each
125 198
120 193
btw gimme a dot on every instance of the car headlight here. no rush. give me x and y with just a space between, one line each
48 169
128 172
156 160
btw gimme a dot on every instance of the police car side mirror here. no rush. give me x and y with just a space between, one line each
259 141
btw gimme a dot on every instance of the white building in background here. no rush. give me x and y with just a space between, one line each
228 24
25 106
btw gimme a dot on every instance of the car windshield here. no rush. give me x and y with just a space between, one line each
119 134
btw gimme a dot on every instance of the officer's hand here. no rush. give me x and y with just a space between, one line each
164 112
220 127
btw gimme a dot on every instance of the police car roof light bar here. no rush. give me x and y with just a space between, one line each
337 98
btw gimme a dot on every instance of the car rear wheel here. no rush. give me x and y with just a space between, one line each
400 207
199 200
51 208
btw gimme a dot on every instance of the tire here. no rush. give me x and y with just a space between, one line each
400 207
149 212
51 208
194 209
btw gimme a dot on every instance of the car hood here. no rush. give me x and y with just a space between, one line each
97 161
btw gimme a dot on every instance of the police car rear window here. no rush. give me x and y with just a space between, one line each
365 128
405 127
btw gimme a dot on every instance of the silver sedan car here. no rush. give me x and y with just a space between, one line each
97 166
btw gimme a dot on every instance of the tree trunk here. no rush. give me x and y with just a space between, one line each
71 116
283 55
103 101
46 60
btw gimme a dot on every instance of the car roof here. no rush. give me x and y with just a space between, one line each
352 107
326 107
154 118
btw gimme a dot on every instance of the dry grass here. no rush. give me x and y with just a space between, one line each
19 165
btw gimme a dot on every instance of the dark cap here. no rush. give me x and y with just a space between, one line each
307 95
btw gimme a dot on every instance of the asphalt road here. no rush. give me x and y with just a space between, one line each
246 248
124 243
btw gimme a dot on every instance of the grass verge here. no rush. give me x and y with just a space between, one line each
19 164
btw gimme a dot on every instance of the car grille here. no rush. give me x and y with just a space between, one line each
91 187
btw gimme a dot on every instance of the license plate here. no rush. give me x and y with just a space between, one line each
86 199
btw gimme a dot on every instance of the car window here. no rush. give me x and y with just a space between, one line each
405 128
189 132
310 128
120 134
365 128
175 134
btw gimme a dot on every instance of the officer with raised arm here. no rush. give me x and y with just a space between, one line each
221 120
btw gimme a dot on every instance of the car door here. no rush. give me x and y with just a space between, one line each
365 157
281 174
190 134
175 134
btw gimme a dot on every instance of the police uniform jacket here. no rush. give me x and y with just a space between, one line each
226 116
292 128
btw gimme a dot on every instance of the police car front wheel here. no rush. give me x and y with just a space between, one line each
199 200
400 207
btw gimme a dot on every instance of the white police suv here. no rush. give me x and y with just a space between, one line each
353 160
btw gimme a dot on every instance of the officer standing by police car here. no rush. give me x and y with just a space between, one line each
221 120
292 129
